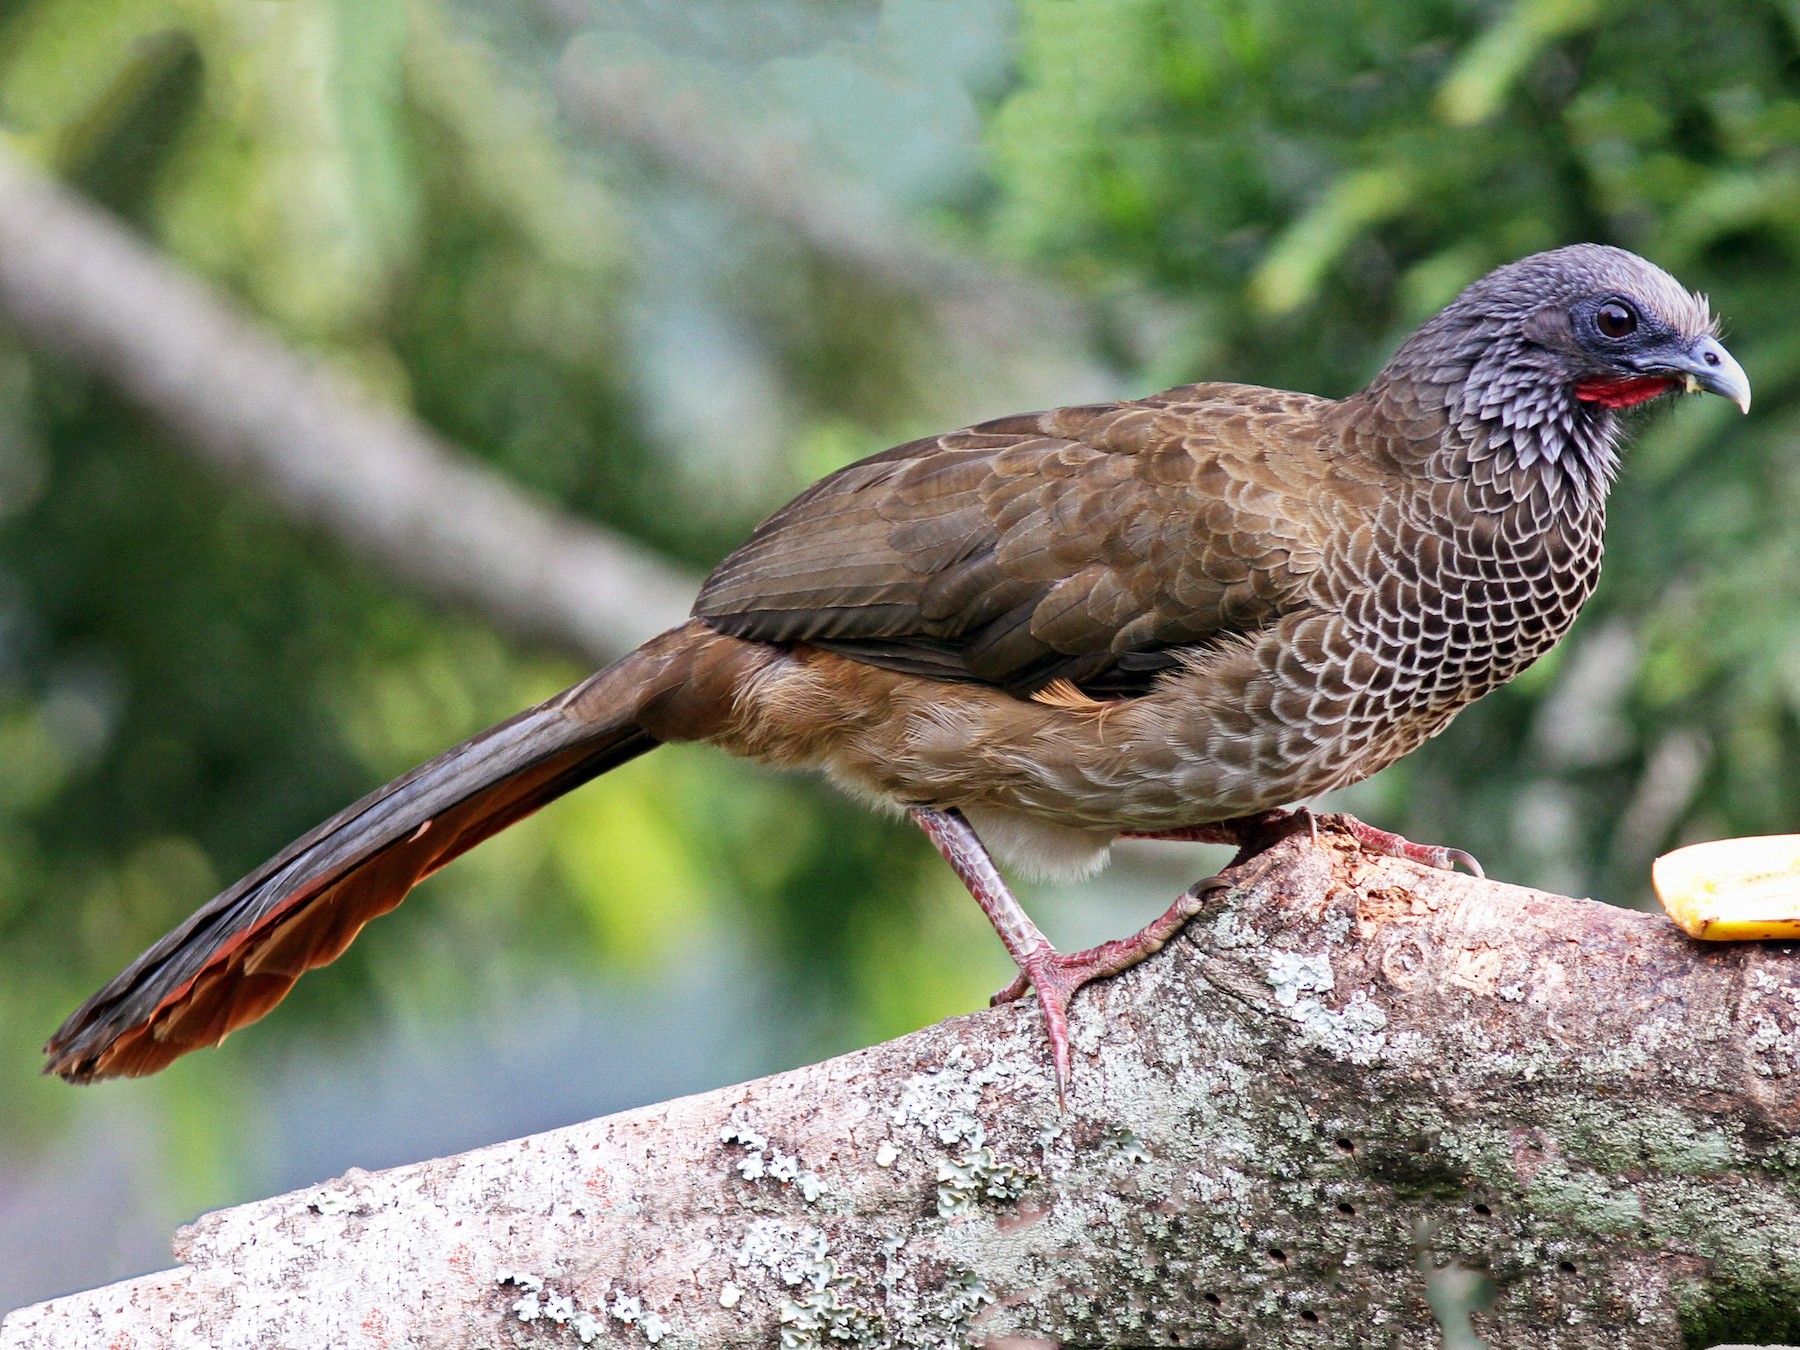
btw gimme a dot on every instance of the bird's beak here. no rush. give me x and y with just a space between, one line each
1704 365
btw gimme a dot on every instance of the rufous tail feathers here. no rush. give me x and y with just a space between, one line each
238 956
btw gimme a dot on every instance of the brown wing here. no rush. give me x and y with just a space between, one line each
1090 544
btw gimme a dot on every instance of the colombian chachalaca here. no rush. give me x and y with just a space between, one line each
1172 616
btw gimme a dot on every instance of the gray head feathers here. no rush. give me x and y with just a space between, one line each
1503 361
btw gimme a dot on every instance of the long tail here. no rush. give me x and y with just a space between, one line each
240 954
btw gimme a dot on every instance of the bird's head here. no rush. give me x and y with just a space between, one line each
1531 362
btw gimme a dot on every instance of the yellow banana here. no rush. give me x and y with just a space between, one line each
1733 890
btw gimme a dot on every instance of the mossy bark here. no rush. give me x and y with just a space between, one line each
1345 1072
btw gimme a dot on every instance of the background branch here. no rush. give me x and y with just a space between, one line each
1042 331
75 281
1347 1086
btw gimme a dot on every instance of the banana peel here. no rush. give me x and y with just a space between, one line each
1733 890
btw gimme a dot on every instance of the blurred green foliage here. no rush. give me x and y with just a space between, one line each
187 680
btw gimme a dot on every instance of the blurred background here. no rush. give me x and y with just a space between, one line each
660 263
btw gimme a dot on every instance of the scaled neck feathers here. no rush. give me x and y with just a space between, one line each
1510 421
1509 418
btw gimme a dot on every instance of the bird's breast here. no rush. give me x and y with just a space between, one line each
1449 606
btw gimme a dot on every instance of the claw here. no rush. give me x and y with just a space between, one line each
1048 975
1013 992
1456 855
1389 845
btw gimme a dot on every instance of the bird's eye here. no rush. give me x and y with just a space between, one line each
1615 320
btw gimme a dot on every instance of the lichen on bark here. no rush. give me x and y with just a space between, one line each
1344 1073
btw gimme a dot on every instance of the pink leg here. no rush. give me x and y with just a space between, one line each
1393 846
1053 975
1248 834
1252 834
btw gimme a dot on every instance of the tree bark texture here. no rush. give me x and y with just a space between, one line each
1344 1073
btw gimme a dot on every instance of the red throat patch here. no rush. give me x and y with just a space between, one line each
1611 392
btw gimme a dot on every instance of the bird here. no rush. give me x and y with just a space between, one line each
1178 616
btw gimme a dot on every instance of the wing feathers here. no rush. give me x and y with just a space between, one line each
1048 545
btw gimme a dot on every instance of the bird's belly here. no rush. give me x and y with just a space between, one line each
1317 702
1198 748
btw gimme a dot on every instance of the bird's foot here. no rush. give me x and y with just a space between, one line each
1249 835
1055 976
1252 834
1388 845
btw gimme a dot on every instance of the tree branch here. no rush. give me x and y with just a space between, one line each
1341 1064
1045 334
628 104
75 281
